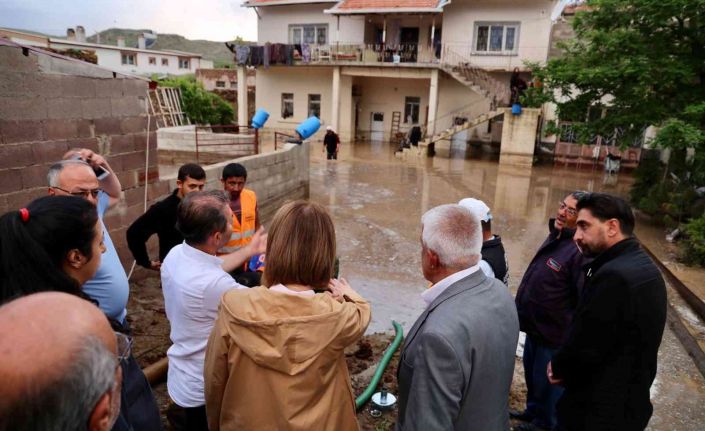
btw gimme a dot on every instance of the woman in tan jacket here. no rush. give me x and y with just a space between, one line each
275 358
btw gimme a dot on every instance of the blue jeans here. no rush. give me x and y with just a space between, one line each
541 397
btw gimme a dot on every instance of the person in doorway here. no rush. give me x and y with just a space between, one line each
193 281
58 376
275 358
456 367
245 220
160 218
494 258
609 360
331 143
546 299
415 135
517 85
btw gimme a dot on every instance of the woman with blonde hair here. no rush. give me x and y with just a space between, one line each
275 357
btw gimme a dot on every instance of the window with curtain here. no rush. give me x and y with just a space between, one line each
496 37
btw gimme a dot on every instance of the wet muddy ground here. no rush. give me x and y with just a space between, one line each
377 199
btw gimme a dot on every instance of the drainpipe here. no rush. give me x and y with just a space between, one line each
433 38
384 32
337 34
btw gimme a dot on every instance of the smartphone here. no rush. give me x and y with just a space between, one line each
100 172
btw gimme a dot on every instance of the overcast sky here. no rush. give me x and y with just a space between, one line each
217 20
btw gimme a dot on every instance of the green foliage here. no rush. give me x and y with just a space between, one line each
644 58
201 106
694 246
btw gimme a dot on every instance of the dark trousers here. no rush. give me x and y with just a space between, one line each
332 156
187 418
541 396
138 408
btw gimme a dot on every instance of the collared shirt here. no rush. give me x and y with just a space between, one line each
109 286
193 283
283 289
435 291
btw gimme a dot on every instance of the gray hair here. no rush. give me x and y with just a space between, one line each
453 233
65 403
200 214
578 194
56 168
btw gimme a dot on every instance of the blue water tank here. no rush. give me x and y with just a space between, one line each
516 109
308 127
260 117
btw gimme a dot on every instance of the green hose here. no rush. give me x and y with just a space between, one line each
365 396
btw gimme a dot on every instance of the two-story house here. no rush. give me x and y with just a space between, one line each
370 68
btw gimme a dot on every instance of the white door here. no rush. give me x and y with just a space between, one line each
377 126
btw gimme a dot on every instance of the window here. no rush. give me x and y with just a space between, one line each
152 61
411 110
310 33
233 84
496 37
220 84
314 105
184 63
129 59
287 105
165 61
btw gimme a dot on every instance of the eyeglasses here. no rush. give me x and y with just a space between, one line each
82 193
571 211
124 346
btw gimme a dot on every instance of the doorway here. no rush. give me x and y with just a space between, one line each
409 39
377 126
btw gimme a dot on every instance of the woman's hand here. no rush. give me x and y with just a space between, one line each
339 288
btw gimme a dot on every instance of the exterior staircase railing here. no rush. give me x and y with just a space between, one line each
461 69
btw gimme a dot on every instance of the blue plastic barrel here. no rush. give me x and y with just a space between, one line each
260 117
308 127
516 109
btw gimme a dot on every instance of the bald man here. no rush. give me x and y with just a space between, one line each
57 377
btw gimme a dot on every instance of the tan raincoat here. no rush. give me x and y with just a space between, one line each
275 361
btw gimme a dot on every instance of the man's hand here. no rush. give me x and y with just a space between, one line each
549 373
110 184
258 245
155 265
339 288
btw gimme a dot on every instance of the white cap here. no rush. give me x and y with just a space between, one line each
329 127
477 207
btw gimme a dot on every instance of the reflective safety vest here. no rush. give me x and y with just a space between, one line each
242 231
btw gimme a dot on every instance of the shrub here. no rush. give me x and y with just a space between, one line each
694 245
201 106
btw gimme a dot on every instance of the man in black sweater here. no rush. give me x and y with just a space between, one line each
160 218
608 362
494 258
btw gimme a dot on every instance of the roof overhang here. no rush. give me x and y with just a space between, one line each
342 9
263 3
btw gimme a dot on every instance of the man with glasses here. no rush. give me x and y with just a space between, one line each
545 301
58 377
77 175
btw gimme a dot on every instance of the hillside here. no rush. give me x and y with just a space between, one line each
215 51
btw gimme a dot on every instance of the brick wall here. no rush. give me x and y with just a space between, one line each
50 104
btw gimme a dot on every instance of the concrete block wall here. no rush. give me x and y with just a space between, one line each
49 105
519 137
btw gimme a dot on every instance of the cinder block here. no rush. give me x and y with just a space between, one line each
108 126
34 176
16 156
126 106
109 87
12 59
13 84
21 199
90 143
10 180
128 180
119 144
64 108
49 151
132 161
134 195
21 131
22 108
44 85
60 129
135 87
135 124
85 128
96 108
77 86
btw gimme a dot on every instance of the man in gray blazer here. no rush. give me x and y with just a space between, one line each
457 363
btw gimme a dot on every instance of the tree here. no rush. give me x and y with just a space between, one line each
642 59
201 106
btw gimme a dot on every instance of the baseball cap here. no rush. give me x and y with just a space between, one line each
477 207
329 127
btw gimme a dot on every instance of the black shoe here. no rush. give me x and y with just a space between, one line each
521 416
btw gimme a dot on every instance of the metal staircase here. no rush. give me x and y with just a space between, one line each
478 80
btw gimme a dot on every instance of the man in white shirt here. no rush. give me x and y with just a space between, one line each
458 358
193 281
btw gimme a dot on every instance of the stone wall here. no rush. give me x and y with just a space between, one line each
177 145
50 104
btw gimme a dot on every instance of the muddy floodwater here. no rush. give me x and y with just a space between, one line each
377 199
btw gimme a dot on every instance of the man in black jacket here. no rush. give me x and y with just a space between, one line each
546 300
608 362
494 258
160 218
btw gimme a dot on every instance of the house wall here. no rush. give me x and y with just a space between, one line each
112 59
457 100
274 23
459 20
